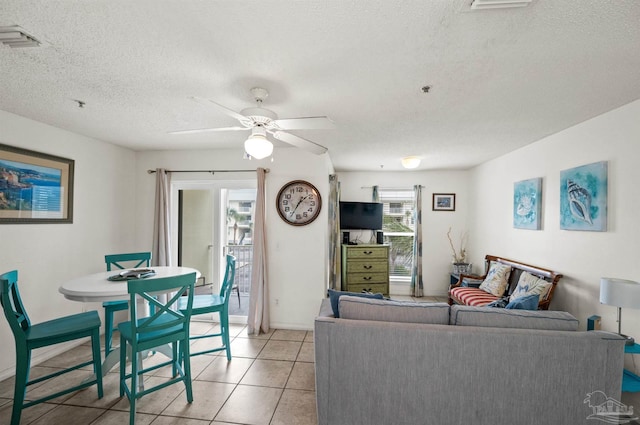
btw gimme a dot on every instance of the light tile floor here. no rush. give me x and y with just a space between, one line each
269 381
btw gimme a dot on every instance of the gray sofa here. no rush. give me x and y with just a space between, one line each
391 363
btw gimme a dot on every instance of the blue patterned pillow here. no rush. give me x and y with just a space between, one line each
528 302
497 279
334 296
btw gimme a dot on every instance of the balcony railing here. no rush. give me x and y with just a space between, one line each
244 264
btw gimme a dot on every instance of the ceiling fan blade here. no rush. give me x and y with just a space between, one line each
306 123
208 130
224 109
299 142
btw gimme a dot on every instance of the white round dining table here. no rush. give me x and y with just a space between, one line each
97 287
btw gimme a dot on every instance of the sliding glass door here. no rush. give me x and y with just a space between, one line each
211 219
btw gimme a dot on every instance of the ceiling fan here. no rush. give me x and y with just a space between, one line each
261 121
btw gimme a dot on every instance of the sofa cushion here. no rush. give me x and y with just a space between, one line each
358 308
334 296
528 302
473 296
529 284
462 315
497 279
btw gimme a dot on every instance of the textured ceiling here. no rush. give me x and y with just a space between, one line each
501 79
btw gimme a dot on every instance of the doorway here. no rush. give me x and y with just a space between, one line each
211 219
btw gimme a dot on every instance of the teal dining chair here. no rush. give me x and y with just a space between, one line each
28 337
165 325
205 304
120 262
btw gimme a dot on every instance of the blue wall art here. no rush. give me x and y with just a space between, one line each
527 204
583 198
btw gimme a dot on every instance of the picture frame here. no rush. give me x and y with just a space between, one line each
35 187
584 197
444 202
527 204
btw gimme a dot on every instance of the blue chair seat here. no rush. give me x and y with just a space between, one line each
203 304
126 330
41 334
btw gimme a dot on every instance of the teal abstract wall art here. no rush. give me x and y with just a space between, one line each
527 204
583 197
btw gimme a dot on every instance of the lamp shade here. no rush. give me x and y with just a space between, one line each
620 292
257 144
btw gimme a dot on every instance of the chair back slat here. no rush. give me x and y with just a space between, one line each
165 314
12 305
130 260
229 276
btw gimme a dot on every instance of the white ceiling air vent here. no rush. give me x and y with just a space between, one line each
15 37
498 4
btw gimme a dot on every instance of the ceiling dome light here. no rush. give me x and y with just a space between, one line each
410 162
257 144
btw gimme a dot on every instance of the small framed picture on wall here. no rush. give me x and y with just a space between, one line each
444 202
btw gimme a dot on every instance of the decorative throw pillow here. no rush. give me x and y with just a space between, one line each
528 302
334 296
529 284
497 279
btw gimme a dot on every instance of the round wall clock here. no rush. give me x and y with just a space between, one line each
298 202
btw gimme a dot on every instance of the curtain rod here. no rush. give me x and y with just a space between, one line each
208 171
391 188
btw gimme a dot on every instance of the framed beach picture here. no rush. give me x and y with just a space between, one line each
527 204
583 197
35 187
444 202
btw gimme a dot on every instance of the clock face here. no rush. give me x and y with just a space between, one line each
298 203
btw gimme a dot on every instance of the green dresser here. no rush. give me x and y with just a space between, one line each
365 268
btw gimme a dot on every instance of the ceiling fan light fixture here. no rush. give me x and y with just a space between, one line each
257 144
410 162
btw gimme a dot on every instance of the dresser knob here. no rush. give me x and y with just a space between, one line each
367 266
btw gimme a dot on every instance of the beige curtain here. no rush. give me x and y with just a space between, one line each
334 232
258 317
161 249
417 286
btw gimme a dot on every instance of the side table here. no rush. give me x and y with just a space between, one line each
631 381
472 283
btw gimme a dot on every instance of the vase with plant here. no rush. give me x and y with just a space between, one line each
459 256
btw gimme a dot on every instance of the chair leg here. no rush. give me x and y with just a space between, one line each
123 364
186 366
134 388
97 361
108 330
20 389
238 289
224 324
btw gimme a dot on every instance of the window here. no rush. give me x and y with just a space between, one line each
398 225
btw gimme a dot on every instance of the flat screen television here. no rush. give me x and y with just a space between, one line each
360 215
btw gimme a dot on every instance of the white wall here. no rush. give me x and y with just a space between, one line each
46 255
296 255
583 257
356 186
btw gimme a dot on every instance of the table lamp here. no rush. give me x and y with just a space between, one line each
620 293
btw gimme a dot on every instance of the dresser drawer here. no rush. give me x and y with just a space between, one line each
374 288
366 252
364 266
367 278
